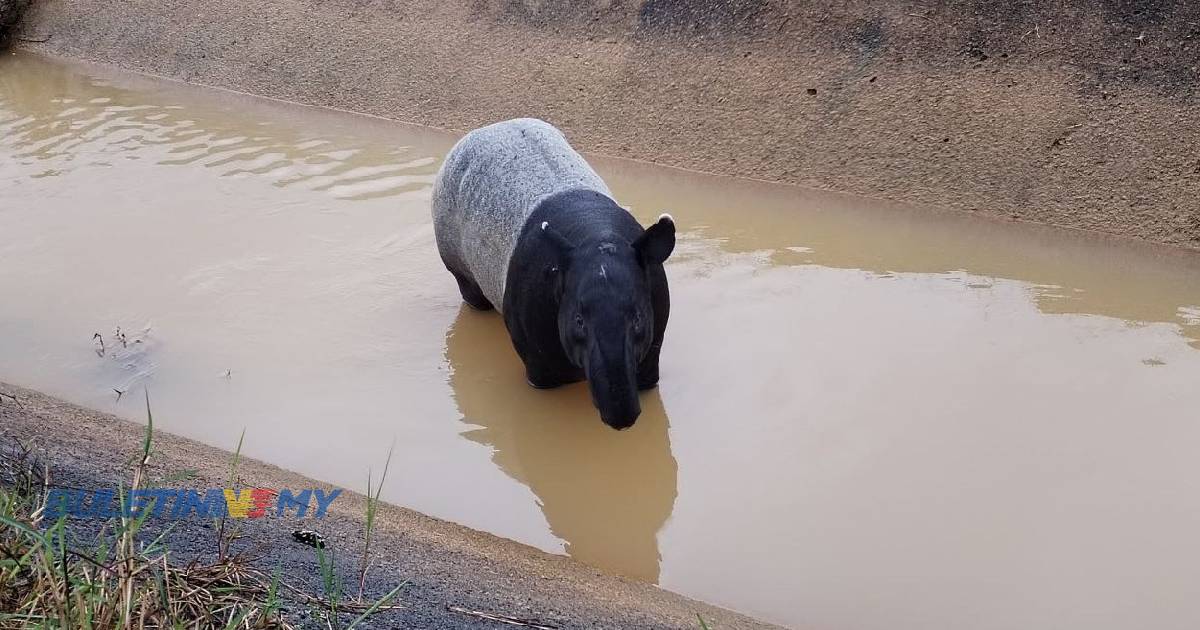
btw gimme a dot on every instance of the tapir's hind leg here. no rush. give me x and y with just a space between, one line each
471 292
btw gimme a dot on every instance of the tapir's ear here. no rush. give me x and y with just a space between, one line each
559 241
655 245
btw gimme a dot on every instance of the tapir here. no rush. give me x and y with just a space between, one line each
526 226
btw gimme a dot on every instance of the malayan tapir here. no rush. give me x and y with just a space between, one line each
526 226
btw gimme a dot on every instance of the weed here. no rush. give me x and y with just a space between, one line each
48 582
372 508
225 539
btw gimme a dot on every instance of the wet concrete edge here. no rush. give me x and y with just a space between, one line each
446 564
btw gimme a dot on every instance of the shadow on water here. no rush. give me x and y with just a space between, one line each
605 493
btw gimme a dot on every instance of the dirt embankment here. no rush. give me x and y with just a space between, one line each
1078 113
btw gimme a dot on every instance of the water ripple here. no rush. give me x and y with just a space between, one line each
46 126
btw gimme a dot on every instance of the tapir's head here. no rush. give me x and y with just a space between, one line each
605 319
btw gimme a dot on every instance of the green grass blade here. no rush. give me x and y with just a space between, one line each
234 623
237 457
146 442
374 607
25 529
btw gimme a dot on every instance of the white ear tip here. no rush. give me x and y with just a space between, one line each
667 217
545 224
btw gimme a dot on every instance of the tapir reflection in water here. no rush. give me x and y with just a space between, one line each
527 227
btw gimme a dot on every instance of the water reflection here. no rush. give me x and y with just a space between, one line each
605 493
1069 273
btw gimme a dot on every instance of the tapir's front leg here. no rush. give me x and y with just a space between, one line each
542 374
660 301
536 342
541 378
647 375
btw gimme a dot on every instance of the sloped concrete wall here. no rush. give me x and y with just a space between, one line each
1078 113
11 12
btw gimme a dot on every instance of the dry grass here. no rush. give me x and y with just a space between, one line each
47 581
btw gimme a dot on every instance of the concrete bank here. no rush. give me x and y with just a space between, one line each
446 565
1075 113
11 12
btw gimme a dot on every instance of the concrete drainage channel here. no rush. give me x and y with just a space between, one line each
1049 113
301 219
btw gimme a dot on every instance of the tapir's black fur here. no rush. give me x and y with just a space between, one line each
586 296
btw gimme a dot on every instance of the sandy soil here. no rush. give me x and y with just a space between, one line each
447 565
1074 113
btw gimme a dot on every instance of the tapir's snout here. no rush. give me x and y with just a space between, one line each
612 380
623 416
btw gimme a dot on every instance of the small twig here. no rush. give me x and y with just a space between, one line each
347 606
512 621
33 39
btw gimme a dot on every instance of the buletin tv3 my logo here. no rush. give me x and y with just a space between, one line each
180 503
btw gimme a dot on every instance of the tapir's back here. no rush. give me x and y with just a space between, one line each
490 183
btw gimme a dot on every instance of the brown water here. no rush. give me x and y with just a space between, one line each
869 417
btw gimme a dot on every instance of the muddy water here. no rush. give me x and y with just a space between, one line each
869 417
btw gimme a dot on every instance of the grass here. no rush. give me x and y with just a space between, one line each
332 584
225 539
372 507
329 581
48 579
